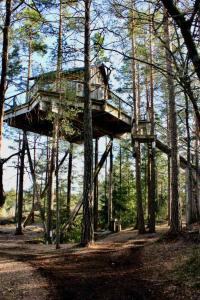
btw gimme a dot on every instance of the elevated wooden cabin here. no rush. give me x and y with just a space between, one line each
46 93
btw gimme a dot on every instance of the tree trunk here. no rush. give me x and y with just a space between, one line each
197 171
110 196
185 27
189 194
69 180
2 196
140 213
134 131
96 188
50 193
57 197
34 183
152 183
87 235
21 189
4 65
56 125
175 222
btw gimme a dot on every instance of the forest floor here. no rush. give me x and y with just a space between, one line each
124 266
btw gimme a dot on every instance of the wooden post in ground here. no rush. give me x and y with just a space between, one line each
34 183
169 188
21 187
57 198
96 188
69 180
151 187
197 193
110 204
17 184
50 193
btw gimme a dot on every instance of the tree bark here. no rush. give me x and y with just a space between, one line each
87 235
134 130
34 183
189 195
96 188
50 193
69 180
4 65
21 189
110 196
185 27
175 222
151 158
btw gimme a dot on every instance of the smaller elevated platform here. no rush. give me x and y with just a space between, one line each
144 138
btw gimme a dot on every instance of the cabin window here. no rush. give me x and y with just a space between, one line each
101 93
79 89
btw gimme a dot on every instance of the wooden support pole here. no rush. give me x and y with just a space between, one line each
120 172
2 195
152 188
76 210
69 180
140 213
21 189
41 196
197 171
17 183
110 198
57 198
188 194
96 188
34 183
33 175
169 188
50 192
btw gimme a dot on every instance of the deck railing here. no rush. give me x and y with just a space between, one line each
120 104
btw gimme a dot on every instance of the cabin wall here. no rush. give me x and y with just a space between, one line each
74 82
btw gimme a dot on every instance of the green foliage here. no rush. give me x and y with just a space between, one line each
65 112
98 41
39 47
124 201
30 31
188 272
124 206
74 234
14 63
10 200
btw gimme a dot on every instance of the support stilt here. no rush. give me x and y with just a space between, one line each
21 187
76 210
69 180
43 193
96 188
110 207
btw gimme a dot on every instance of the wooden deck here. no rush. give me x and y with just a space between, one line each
33 117
108 120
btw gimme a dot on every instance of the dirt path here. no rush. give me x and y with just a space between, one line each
121 266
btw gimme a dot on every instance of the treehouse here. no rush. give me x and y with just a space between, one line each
143 132
48 94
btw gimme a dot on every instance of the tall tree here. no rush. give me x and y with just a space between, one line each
135 128
175 222
87 236
151 145
186 26
4 66
21 189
